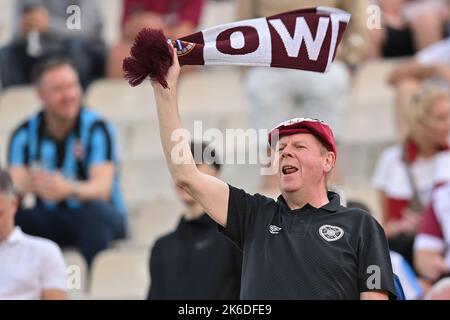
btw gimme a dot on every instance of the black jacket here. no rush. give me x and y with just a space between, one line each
195 262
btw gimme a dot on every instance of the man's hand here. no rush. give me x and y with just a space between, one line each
35 19
172 79
51 186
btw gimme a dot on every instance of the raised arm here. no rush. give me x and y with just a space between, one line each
411 69
209 191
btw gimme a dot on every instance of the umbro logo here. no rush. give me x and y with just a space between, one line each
331 233
274 229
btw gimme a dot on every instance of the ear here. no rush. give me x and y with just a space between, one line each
329 161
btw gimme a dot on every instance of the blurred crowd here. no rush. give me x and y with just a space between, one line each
63 161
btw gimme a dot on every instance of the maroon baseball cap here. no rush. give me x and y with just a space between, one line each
320 129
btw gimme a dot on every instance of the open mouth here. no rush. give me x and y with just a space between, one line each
289 169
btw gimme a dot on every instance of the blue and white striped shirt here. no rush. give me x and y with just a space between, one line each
91 142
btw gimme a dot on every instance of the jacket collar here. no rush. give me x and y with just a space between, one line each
332 206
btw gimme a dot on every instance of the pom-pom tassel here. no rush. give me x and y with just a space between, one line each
151 56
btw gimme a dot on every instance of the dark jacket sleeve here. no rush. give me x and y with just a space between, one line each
242 211
374 262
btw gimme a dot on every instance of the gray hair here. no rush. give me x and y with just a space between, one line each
6 184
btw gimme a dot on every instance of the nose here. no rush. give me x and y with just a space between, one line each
286 153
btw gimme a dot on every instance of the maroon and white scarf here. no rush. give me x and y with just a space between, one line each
305 39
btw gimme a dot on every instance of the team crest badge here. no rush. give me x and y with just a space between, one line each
274 229
183 47
331 233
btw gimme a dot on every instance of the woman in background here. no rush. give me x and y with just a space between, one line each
407 173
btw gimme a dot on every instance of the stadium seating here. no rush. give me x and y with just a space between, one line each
120 274
217 12
119 102
153 219
5 20
16 104
371 95
78 273
222 95
111 11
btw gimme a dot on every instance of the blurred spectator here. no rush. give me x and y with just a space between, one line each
411 284
408 26
195 261
277 94
177 18
66 157
31 268
432 244
41 30
407 173
410 281
431 63
440 291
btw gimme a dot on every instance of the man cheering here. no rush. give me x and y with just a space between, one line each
305 245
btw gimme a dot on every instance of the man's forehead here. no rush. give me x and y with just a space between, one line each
297 137
55 73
